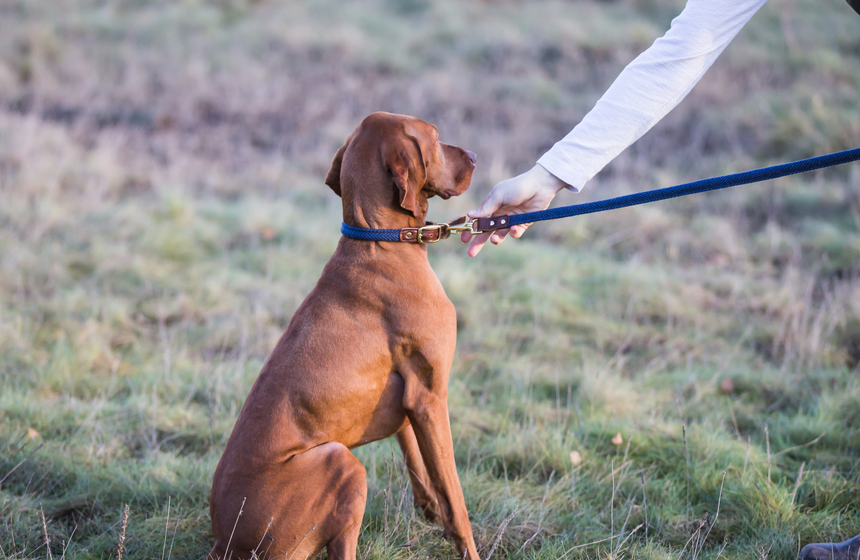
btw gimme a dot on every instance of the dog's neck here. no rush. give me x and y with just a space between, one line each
363 215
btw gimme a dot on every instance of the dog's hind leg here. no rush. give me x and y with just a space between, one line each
423 493
345 496
323 493
344 546
313 501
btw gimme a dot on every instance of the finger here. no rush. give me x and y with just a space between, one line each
517 231
465 236
499 236
477 244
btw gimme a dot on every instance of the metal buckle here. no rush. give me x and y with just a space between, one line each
437 227
470 225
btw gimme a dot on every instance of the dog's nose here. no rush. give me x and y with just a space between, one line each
472 156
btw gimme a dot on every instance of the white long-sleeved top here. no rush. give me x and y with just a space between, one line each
648 88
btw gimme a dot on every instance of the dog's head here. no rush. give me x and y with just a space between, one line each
390 165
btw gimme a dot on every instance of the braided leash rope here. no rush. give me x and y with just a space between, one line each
695 187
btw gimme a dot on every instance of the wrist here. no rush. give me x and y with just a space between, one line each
546 180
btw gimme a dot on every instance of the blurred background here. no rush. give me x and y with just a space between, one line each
163 213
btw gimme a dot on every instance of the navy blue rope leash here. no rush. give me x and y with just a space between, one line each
704 185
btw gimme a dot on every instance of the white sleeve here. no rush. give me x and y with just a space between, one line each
648 88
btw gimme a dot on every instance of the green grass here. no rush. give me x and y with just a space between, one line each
162 214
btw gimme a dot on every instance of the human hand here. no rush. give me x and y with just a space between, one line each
529 192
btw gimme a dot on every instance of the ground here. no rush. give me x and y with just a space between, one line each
678 380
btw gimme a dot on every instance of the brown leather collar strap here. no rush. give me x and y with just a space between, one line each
430 233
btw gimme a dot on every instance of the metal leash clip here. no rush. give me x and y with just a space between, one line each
469 225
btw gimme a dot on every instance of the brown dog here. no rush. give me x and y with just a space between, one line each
367 355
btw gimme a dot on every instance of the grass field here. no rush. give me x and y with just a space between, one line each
163 213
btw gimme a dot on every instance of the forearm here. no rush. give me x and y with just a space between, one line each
648 88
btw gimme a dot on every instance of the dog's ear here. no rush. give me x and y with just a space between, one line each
332 178
404 160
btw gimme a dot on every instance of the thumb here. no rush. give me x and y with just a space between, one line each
491 204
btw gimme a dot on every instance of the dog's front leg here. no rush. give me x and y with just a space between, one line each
425 402
422 488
